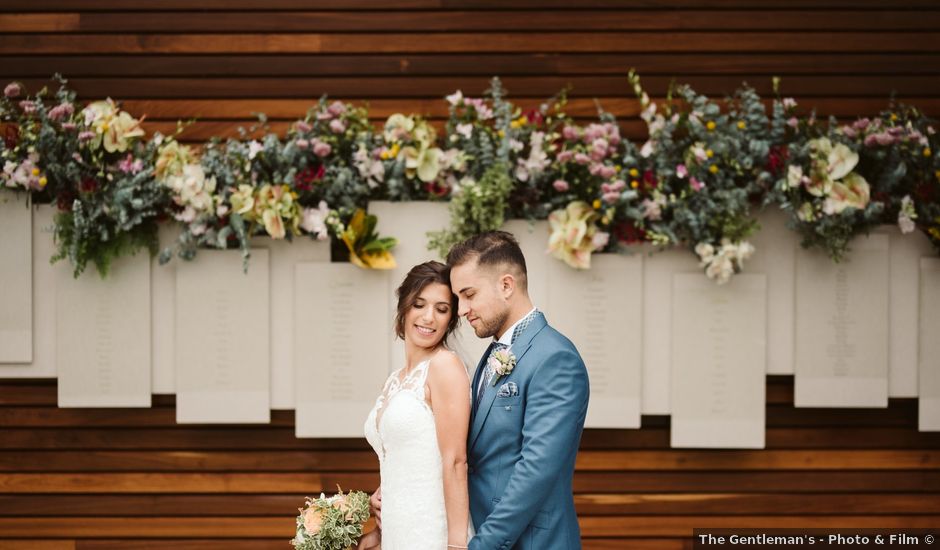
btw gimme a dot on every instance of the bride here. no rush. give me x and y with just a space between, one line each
418 426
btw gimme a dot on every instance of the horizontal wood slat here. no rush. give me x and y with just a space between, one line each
651 526
365 460
915 481
484 65
136 505
540 42
409 5
437 87
481 20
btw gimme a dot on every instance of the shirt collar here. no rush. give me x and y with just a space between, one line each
506 338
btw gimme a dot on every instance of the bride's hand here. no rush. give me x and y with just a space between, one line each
370 541
375 505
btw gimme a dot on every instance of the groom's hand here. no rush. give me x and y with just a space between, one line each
375 503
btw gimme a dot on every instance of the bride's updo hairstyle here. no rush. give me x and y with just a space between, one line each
419 277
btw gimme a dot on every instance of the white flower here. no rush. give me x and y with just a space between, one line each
253 149
907 215
455 98
466 130
794 175
314 221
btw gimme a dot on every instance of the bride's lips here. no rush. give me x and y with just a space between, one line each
424 330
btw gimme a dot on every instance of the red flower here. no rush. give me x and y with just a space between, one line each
627 232
649 180
437 188
308 176
11 135
535 117
88 185
777 159
64 201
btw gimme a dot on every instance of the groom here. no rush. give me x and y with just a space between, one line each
527 416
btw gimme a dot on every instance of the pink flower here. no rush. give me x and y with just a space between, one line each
338 126
565 156
337 108
570 133
62 110
321 149
610 198
861 124
12 90
28 107
581 158
696 184
681 171
68 126
303 144
129 165
86 136
793 122
882 138
608 172
789 103
303 126
560 185
600 240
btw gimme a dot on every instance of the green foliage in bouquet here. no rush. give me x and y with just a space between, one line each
479 206
709 164
331 523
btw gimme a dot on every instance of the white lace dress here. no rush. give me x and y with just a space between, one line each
401 430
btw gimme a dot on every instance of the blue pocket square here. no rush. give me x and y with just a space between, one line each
509 389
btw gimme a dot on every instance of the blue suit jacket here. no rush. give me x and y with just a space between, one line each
521 449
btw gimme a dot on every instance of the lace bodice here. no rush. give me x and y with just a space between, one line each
401 429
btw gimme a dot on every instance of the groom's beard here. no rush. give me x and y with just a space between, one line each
489 328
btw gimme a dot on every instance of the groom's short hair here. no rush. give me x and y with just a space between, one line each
492 248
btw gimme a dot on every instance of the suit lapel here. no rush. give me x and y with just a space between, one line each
519 349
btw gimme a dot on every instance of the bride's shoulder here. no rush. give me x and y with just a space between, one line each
446 364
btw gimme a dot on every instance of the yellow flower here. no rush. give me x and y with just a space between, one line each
501 133
927 151
575 234
710 125
618 168
366 249
597 204
709 153
634 172
713 168
634 184
741 125
894 117
171 159
42 181
243 200
35 171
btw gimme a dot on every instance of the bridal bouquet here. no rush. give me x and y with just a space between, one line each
331 523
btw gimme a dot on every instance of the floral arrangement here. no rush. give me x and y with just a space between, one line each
93 163
331 523
694 183
843 180
277 188
704 167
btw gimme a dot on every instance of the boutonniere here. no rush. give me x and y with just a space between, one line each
501 362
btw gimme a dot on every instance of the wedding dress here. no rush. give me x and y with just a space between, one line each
401 429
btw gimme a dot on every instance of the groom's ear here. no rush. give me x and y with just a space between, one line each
507 284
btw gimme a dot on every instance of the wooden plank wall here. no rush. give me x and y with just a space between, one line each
132 479
102 479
